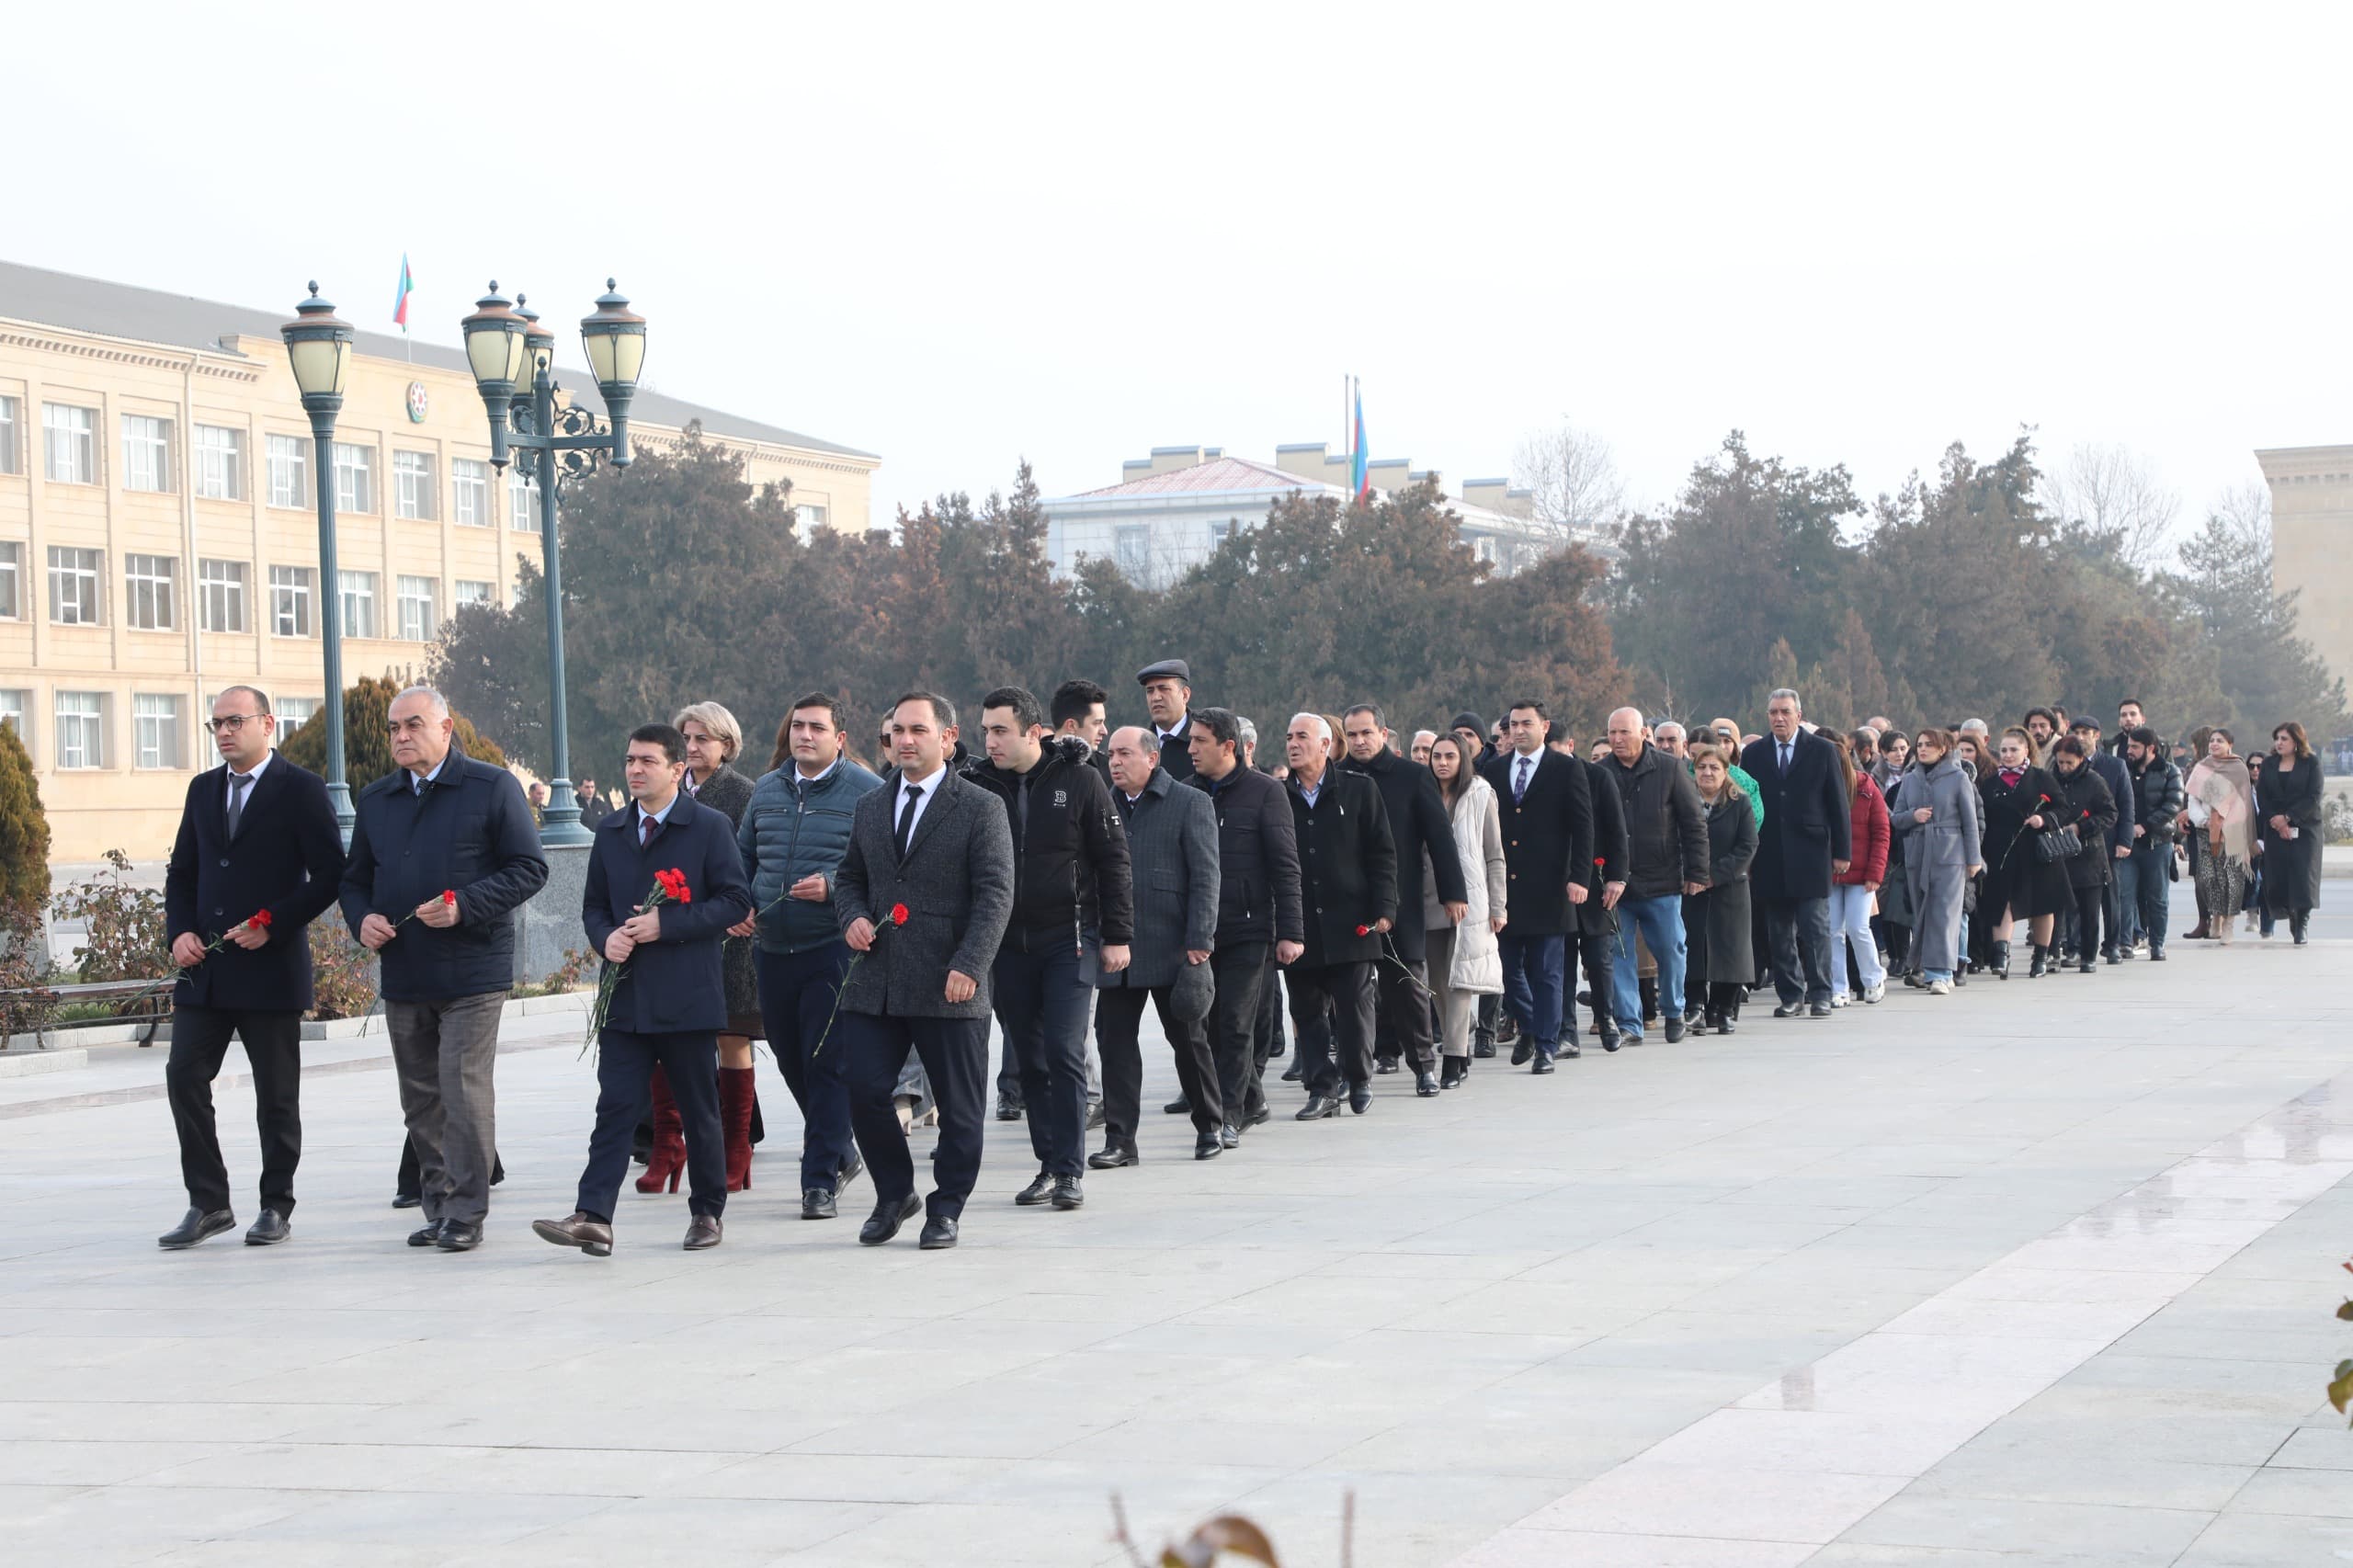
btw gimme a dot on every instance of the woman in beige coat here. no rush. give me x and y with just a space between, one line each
1465 961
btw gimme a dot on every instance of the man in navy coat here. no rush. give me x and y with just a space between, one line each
671 1000
257 837
1803 843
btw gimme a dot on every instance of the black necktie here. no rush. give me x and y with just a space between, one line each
1519 785
907 818
645 826
1785 756
237 783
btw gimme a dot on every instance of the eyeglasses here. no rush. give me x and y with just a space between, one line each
231 723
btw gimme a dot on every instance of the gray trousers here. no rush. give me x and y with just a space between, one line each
443 1052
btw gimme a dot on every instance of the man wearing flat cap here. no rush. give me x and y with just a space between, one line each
1168 698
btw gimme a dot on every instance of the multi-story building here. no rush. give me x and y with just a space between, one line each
1170 511
159 535
2312 531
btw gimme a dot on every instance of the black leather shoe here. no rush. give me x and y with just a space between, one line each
407 1200
850 1172
1317 1107
1610 1039
1007 1108
1208 1146
578 1229
1521 1052
1111 1156
1230 1135
1294 1074
1259 1118
887 1216
1569 1049
2157 955
1094 1115
1725 1025
1674 1030
939 1233
1485 1050
194 1227
1819 1010
1426 1083
1385 1064
1787 1010
427 1236
1037 1192
816 1204
268 1230
1068 1193
458 1235
1177 1107
1452 1072
1359 1097
702 1232
1541 1064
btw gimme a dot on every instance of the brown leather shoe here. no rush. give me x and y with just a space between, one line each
591 1235
702 1232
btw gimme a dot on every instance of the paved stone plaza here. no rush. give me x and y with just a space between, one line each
2040 1274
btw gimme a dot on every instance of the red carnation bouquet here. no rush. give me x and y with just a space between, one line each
669 887
258 921
898 916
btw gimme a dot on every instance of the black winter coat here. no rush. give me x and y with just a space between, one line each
2013 877
1419 824
1665 824
1548 839
1071 879
1348 864
1257 886
287 858
673 984
1611 848
1809 819
2085 801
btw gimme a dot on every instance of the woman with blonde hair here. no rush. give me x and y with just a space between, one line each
2222 807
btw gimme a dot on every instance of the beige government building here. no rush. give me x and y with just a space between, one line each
2311 545
159 537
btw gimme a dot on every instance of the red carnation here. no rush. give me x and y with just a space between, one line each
449 895
261 922
1364 930
898 914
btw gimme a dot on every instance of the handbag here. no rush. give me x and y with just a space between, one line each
2053 844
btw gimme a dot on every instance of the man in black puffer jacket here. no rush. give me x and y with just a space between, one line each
1418 824
1073 918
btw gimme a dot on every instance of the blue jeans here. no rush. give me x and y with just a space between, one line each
2149 881
797 992
1041 1006
1660 921
1532 976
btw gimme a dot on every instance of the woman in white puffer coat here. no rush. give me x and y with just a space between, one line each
1465 961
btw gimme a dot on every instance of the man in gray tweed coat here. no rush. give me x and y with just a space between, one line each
939 848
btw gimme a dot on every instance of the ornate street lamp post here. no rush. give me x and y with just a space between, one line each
318 346
514 365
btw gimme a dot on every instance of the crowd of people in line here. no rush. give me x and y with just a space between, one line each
1362 901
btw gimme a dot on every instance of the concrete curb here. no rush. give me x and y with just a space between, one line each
30 1047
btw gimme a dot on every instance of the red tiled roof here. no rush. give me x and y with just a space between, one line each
1217 476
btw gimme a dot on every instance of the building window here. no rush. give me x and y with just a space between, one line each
1131 550
81 729
420 618
290 472
413 491
11 455
69 444
522 502
13 702
1221 531
1483 548
12 581
812 516
73 595
289 601
220 463
355 478
221 595
469 593
146 453
294 712
155 731
355 592
470 493
153 584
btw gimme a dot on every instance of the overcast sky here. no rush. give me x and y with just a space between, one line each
959 235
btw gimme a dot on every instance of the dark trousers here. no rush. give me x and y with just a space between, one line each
1041 1007
409 1180
274 1049
1534 967
1799 929
1238 1042
2153 891
955 1056
1402 992
625 1063
1119 1018
2090 900
1597 952
2112 905
1270 1041
797 992
443 1054
1483 1029
1343 1047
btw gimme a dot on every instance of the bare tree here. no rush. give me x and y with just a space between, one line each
2115 492
2245 509
1573 478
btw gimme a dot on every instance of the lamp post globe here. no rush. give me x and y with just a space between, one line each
494 353
318 351
614 340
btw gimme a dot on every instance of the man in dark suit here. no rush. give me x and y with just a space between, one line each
941 848
257 841
670 1003
1803 843
1419 824
1258 921
1544 801
1349 888
443 852
1168 698
594 807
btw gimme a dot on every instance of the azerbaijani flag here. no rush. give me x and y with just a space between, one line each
1363 480
400 305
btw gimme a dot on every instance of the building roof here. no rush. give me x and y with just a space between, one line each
150 315
1220 476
